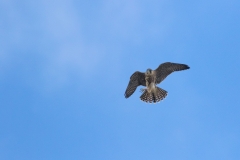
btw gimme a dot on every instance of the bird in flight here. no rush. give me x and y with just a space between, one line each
150 79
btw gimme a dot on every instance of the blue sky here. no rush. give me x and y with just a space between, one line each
65 65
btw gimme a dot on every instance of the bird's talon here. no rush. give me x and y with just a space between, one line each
142 90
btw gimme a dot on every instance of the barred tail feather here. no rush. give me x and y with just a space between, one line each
154 96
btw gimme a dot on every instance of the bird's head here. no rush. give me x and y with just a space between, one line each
149 71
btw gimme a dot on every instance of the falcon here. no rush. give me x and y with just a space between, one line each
150 79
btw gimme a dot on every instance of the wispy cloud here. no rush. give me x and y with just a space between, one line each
71 53
61 34
52 30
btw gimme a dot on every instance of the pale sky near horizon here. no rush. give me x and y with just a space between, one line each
65 65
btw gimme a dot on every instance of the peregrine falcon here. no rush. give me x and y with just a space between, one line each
150 79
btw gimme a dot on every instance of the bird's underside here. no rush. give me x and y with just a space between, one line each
150 79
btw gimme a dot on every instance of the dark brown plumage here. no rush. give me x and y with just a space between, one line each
150 79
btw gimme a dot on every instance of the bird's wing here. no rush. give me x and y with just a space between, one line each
137 79
167 68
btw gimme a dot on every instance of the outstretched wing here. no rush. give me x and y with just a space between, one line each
167 68
137 79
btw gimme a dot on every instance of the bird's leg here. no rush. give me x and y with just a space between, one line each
142 90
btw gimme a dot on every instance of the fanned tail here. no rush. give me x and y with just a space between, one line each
154 96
